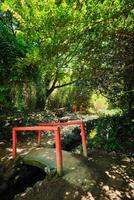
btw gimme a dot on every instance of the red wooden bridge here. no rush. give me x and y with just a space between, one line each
56 128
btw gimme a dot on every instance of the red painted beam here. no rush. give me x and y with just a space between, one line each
35 128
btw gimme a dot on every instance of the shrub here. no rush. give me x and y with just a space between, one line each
112 133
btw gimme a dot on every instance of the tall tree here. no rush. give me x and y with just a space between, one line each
52 33
11 48
89 41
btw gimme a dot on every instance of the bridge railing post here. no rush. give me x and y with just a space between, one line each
14 142
59 163
39 137
83 137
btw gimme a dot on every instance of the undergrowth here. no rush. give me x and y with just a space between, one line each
112 133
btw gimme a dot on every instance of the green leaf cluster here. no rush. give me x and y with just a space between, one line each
45 43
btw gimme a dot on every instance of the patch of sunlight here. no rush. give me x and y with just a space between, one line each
109 175
2 159
98 102
99 105
20 150
25 150
9 149
2 143
10 157
121 176
23 194
111 193
50 142
67 193
32 143
76 194
131 184
92 133
89 196
128 195
123 166
118 170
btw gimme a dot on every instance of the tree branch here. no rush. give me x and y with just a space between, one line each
49 91
65 84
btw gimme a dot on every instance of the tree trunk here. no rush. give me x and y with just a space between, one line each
130 90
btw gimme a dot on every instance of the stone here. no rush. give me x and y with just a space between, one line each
105 188
132 193
131 185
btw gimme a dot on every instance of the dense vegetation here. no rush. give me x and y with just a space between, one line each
50 44
60 52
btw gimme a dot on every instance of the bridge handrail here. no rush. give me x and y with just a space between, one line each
59 162
80 123
54 126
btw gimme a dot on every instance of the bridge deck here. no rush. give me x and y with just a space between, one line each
75 171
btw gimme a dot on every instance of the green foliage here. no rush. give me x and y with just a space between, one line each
44 42
101 106
109 51
11 49
63 97
98 104
112 133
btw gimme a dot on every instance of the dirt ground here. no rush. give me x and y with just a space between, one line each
114 181
113 175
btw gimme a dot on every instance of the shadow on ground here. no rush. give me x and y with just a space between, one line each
113 181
